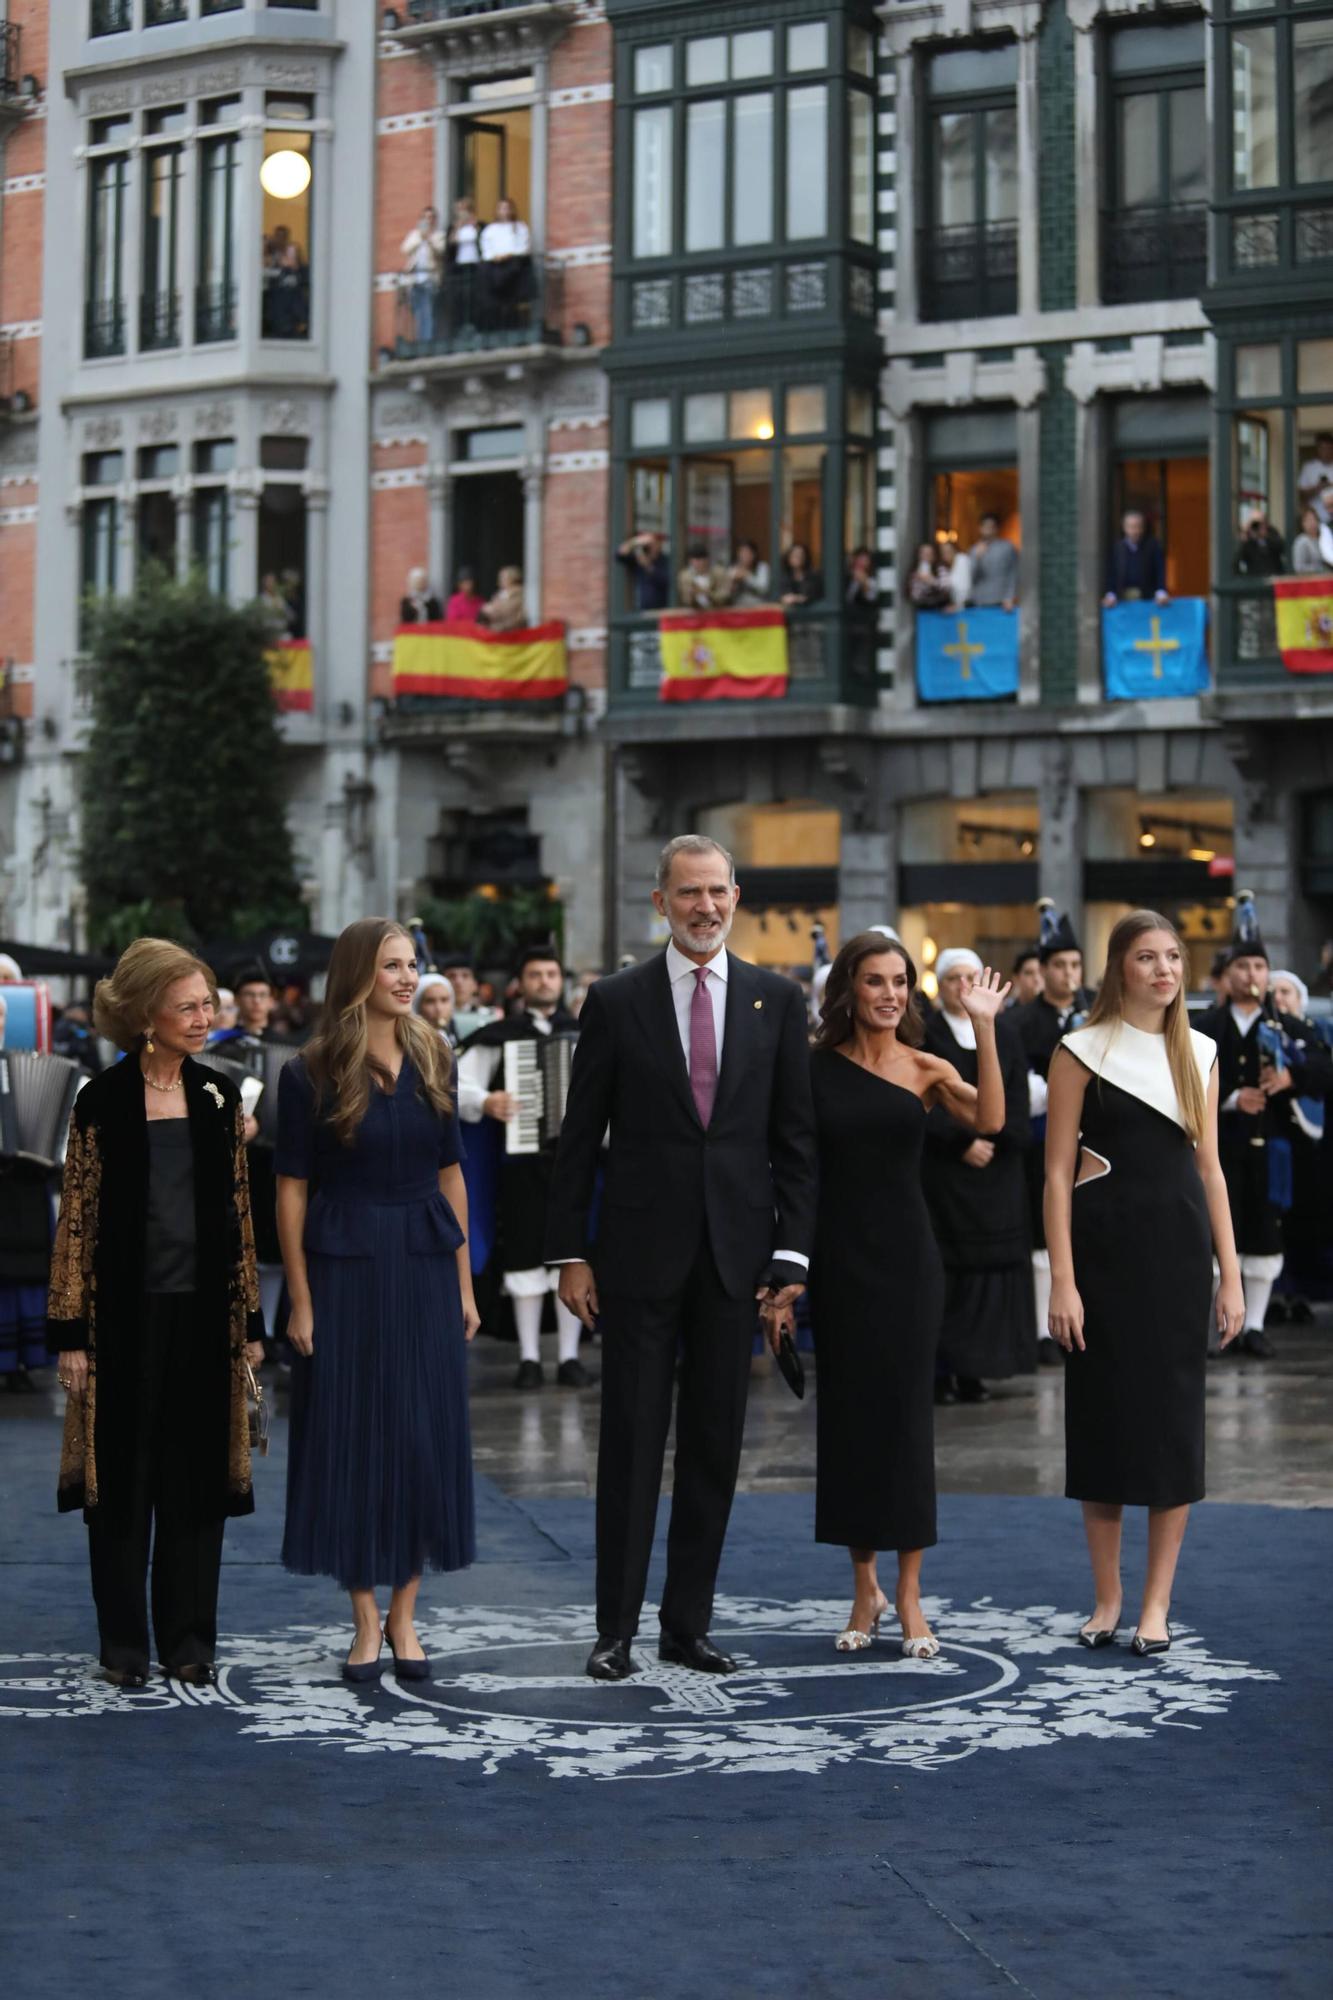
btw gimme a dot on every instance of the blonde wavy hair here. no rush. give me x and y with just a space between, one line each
1109 1007
124 1004
338 1061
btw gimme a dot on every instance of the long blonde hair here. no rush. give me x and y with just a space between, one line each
337 1056
1109 1007
124 1004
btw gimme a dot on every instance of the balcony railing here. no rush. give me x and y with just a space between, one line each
159 320
110 17
480 306
103 329
1154 253
969 271
215 312
747 293
426 13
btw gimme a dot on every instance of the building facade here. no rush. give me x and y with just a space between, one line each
843 277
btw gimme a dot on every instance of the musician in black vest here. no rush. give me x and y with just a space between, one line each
699 1064
525 1178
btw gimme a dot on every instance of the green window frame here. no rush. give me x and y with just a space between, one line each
1273 133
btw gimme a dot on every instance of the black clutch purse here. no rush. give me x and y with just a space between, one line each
789 1361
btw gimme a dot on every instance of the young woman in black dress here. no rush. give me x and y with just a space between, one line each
876 1281
1136 1209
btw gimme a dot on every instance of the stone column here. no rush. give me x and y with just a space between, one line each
1029 579
534 483
245 494
1090 433
439 500
541 115
1060 868
182 491
1029 190
1087 165
906 220
343 678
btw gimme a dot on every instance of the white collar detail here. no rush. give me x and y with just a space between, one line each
961 1028
679 967
1244 1020
1136 1062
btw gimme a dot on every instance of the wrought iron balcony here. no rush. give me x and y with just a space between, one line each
406 14
103 329
514 303
1154 253
215 312
110 17
969 271
159 320
13 102
746 293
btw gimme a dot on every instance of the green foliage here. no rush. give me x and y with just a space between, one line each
184 832
494 930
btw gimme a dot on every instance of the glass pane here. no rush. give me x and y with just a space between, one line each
1188 163
859 513
807 45
1314 366
106 218
955 169
970 70
1002 164
652 68
99 546
706 61
860 412
752 54
1254 108
1136 147
1258 484
1165 45
751 414
650 421
805 410
860 167
1312 110
705 418
752 169
650 498
807 161
1259 370
285 269
163 175
157 529
652 182
705 172
860 51
803 518
1314 458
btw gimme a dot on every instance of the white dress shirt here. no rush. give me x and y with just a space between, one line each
505 239
1244 1019
480 1071
681 971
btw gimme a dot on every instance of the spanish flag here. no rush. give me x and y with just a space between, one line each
1304 606
723 655
291 671
474 664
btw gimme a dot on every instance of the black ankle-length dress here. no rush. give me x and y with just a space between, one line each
1143 1265
876 1297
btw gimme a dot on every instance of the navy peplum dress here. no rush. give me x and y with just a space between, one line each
379 1475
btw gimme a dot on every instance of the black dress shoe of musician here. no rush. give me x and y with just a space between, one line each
609 1659
195 1674
530 1375
1256 1342
1050 1353
127 1677
972 1390
573 1375
945 1393
679 1650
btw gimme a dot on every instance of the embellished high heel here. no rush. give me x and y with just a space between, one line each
853 1640
925 1648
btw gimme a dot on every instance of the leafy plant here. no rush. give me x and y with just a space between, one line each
493 928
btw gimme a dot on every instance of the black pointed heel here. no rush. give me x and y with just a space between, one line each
1143 1647
363 1673
407 1670
1095 1640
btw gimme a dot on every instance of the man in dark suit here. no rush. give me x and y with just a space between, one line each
699 1065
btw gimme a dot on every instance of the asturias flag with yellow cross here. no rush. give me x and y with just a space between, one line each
966 655
1153 650
474 664
1304 607
723 655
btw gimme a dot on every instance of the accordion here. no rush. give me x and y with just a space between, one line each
536 1074
258 1064
37 1094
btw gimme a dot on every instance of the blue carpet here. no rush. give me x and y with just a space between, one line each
1018 1817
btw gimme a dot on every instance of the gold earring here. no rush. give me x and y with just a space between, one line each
148 1044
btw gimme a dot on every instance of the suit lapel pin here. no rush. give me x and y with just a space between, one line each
757 1005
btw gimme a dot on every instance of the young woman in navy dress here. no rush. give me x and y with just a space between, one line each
1136 1210
373 1221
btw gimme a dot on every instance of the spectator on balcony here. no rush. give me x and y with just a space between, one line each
467 604
423 268
928 585
275 606
644 556
703 584
861 591
802 583
956 565
420 606
506 255
506 611
1316 477
1261 550
1312 550
293 593
748 578
994 567
1136 567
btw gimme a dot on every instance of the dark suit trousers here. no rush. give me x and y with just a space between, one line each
160 1506
640 1339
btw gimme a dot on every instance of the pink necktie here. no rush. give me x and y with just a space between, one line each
703 1047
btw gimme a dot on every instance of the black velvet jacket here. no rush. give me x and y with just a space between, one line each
97 1286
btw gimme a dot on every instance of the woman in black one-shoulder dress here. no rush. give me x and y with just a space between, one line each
1136 1206
876 1281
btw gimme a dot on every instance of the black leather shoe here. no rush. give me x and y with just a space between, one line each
945 1393
1256 1342
530 1375
1143 1648
573 1375
971 1390
196 1674
126 1677
678 1650
609 1659
1050 1353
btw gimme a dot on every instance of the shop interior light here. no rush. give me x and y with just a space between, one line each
764 430
285 175
930 951
1147 839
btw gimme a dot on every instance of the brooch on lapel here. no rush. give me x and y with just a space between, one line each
757 1005
216 1095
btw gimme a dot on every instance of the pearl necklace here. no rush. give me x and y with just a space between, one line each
165 1088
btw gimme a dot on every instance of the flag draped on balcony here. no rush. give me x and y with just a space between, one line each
1304 606
291 670
1153 650
471 663
723 655
966 655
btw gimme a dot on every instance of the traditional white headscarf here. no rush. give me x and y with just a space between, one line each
1302 990
957 959
426 983
9 970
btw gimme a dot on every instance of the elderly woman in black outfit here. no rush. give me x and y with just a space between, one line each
154 1314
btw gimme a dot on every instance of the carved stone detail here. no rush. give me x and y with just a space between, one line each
285 416
157 425
99 432
217 418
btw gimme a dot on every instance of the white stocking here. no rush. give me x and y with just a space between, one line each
1258 1274
570 1330
528 1320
